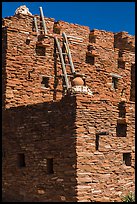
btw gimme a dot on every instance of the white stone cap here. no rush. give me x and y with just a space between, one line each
23 10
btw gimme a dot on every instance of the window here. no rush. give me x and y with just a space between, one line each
97 142
121 64
127 159
21 160
103 133
45 82
90 59
40 50
122 109
92 38
50 166
121 130
56 28
114 82
27 41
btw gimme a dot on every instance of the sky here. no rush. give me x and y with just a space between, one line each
109 16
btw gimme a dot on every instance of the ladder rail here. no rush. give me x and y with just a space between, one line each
69 53
62 63
43 21
35 23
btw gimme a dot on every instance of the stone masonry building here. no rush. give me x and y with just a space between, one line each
59 145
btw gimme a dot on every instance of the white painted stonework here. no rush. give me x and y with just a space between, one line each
82 89
23 10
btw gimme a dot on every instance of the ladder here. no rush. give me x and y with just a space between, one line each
62 53
43 22
66 44
62 62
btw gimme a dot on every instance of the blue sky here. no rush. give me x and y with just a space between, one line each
109 16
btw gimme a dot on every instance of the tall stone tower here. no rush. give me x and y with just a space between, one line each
59 145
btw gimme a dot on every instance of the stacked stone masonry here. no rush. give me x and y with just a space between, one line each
66 147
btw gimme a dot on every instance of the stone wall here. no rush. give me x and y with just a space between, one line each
59 147
102 175
41 132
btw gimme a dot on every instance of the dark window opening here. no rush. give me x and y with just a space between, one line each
114 82
50 166
56 28
98 134
121 64
97 142
45 82
127 159
27 41
122 109
90 59
40 50
121 130
21 160
92 38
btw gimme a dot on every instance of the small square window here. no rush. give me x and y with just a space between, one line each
21 160
114 82
127 159
50 166
121 130
90 59
56 30
92 38
40 50
45 82
27 41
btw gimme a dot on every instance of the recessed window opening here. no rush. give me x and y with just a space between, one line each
97 142
114 82
21 160
40 50
50 166
98 134
92 38
127 159
122 109
56 28
90 59
45 82
27 41
121 130
121 64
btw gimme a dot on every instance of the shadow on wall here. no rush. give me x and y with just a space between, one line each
39 142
